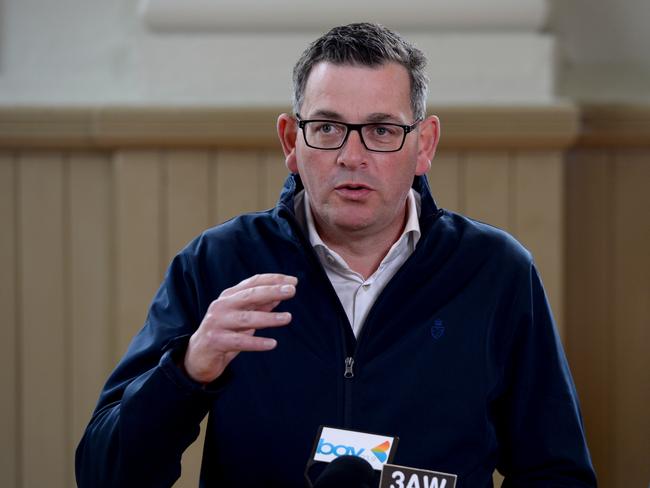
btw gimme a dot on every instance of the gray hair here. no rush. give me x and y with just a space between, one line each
364 44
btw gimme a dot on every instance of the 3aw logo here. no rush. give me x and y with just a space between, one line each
327 449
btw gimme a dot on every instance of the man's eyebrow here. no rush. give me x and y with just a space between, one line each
372 118
327 114
382 117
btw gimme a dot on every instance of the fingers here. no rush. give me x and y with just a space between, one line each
240 342
261 280
262 297
231 320
242 320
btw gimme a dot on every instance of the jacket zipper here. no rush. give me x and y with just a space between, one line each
349 365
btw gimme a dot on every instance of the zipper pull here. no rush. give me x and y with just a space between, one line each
349 363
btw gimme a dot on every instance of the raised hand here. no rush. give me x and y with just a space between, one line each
231 320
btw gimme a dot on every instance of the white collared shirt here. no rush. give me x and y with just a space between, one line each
357 294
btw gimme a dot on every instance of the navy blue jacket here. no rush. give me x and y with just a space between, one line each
458 357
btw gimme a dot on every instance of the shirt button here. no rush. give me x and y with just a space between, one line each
330 258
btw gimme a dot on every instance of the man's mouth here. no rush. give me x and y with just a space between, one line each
353 186
353 191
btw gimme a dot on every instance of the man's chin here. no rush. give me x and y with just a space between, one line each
350 225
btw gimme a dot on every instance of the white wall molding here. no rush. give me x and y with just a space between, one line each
479 51
291 16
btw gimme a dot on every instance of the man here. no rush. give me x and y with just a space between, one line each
354 303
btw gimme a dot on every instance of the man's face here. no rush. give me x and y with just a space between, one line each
354 191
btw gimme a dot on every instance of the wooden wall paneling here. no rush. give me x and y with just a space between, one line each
445 179
589 330
187 198
139 239
187 201
538 218
91 292
236 184
46 459
487 187
275 173
10 406
631 300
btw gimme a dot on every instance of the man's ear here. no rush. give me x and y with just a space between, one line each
287 132
429 135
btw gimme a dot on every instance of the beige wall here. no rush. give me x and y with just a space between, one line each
94 206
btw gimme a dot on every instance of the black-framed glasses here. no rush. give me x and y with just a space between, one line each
375 136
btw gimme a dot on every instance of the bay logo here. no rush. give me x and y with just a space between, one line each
332 443
327 448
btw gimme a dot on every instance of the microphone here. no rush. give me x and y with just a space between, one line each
347 472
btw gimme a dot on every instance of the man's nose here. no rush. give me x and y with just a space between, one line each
353 152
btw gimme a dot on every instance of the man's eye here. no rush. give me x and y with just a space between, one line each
384 130
327 129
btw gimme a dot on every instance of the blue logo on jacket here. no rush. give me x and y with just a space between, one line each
437 329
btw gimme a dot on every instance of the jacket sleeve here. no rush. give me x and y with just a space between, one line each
539 425
148 412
